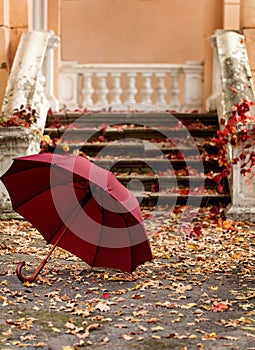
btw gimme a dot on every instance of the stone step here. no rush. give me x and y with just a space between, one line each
160 165
165 182
162 158
136 147
148 199
152 119
111 134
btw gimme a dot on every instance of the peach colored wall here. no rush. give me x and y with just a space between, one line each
13 22
231 14
247 21
140 31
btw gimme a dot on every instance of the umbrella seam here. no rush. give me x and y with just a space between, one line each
80 203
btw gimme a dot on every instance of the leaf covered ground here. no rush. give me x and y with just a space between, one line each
197 293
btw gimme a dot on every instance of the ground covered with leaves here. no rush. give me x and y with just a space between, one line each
197 293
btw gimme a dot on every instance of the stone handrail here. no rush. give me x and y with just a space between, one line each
234 83
232 78
30 83
170 86
31 77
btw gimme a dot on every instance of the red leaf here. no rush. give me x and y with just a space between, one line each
225 173
106 295
217 178
220 188
220 307
101 138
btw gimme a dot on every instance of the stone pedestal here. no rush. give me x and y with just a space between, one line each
242 191
14 142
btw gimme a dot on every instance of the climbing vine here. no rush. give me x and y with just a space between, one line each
237 130
24 116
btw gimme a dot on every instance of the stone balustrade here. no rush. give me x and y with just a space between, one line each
175 87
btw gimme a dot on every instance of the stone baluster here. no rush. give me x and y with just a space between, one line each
102 90
131 90
151 74
175 90
49 72
68 90
160 90
193 73
87 90
147 89
116 90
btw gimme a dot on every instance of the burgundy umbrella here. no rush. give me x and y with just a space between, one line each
79 207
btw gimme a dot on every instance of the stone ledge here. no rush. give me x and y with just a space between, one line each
240 213
15 142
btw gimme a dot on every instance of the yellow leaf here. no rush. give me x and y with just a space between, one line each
191 305
139 338
247 328
65 147
226 224
54 329
214 287
127 337
27 284
89 328
7 333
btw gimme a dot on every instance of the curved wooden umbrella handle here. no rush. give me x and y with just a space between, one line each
39 268
34 275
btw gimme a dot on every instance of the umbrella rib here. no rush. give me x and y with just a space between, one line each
81 203
102 210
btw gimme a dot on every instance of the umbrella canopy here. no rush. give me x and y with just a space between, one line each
81 208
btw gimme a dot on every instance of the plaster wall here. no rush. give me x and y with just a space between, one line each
140 31
13 22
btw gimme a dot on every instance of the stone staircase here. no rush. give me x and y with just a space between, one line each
164 158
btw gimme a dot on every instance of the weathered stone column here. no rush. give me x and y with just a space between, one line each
14 142
236 79
236 85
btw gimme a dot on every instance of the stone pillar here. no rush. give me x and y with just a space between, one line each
49 72
247 24
40 14
235 71
236 85
54 24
